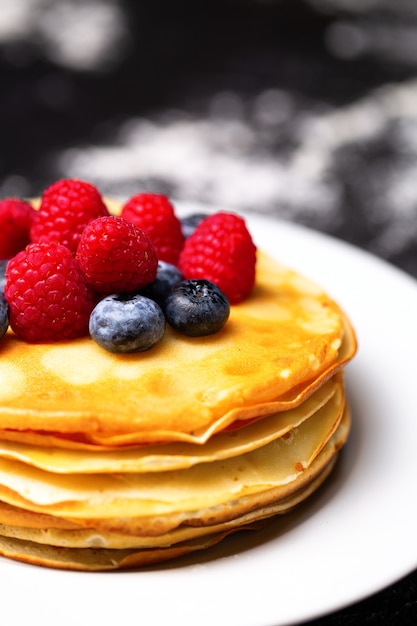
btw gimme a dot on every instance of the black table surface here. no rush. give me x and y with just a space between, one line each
306 111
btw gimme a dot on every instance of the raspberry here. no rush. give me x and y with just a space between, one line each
67 206
116 256
221 250
15 221
47 294
155 214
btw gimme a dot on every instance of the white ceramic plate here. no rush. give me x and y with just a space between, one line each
353 538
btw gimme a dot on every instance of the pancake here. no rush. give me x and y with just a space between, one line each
328 399
277 347
83 550
99 549
155 503
55 535
114 461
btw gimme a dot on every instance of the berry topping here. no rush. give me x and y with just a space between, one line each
47 295
147 266
222 251
127 323
15 221
155 214
196 308
116 256
67 206
167 277
4 315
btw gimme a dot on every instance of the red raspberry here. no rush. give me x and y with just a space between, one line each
116 256
47 294
155 214
15 221
66 207
221 250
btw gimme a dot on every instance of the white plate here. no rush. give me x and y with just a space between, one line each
353 538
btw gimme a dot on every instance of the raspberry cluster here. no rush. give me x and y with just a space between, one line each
69 253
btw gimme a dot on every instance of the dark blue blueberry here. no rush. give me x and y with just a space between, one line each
190 222
123 324
3 265
197 307
4 315
167 277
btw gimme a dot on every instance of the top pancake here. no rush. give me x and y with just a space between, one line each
277 347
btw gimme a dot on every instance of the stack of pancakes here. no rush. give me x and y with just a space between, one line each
115 461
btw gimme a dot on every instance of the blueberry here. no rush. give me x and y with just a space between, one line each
131 323
4 315
167 277
190 222
197 307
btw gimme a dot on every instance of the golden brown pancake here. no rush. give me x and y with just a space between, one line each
328 399
61 549
276 348
49 543
155 503
113 461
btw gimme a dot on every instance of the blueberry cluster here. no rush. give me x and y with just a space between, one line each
136 322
